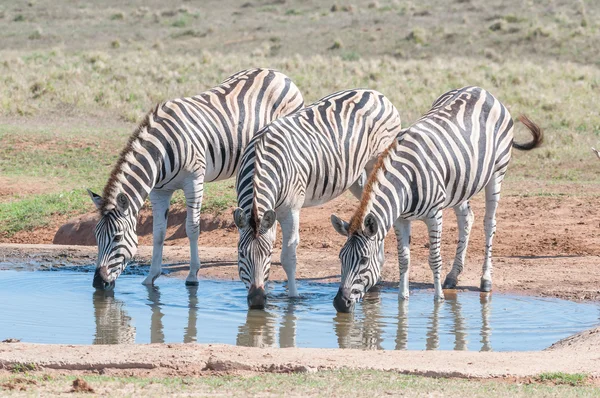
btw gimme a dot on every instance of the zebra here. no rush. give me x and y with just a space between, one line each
181 144
461 146
305 159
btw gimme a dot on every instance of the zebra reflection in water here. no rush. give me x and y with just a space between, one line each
365 329
113 324
157 335
260 327
362 331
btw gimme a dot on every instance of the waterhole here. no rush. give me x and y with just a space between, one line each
62 307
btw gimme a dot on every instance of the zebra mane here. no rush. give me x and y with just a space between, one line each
110 191
361 212
255 217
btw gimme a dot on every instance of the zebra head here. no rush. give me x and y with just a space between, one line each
255 248
117 240
362 258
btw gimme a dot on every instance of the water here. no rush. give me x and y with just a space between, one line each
62 307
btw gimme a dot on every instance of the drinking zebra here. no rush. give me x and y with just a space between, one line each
179 145
462 145
302 160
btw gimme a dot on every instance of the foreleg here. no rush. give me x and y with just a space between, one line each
161 201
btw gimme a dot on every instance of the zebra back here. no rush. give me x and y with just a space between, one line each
203 134
315 153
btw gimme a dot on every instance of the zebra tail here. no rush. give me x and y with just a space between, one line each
536 131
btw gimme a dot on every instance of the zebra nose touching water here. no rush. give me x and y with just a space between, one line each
461 146
302 160
181 144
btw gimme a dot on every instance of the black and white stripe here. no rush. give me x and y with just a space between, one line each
303 160
461 146
181 144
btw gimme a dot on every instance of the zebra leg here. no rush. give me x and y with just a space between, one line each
464 219
161 201
193 190
290 224
402 229
492 196
357 188
434 227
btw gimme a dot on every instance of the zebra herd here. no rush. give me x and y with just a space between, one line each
288 156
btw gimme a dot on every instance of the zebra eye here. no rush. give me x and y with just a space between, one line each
118 238
363 261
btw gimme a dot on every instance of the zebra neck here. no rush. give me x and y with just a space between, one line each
388 206
133 180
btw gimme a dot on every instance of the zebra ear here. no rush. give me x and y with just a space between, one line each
240 218
97 199
268 219
339 225
122 202
371 225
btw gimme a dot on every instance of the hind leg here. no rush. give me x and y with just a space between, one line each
464 219
492 196
357 188
194 191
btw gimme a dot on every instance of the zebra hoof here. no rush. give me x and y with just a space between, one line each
192 283
486 286
450 283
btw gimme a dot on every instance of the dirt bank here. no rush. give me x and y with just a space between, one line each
578 355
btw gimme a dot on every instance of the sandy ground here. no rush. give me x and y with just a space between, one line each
578 354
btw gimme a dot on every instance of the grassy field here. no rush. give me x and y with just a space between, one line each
74 80
327 383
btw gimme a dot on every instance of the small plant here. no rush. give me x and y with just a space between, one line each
118 16
36 34
115 44
417 36
23 367
180 22
512 18
293 11
572 379
19 18
351 56
337 44
499 25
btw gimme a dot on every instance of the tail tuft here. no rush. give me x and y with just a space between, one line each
536 131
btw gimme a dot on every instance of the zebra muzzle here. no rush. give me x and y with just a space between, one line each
342 301
257 297
100 282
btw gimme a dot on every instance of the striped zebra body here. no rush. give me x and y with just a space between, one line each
460 147
181 144
302 160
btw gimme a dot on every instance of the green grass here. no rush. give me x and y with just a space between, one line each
572 379
38 210
341 383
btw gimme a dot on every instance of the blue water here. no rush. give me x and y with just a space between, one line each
62 307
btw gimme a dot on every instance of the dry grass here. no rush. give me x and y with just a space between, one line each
104 64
